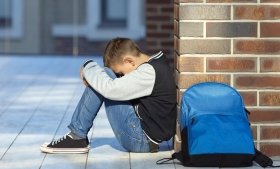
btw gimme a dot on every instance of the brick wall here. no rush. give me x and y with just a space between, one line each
235 42
159 27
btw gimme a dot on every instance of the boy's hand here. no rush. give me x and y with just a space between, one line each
83 78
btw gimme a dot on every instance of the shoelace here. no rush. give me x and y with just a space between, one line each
59 140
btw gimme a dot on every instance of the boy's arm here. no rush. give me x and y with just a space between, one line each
135 84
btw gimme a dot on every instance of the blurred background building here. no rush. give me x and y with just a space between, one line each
82 27
67 26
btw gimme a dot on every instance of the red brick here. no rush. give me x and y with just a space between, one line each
231 29
257 12
152 27
257 46
265 1
270 98
204 46
157 10
176 12
270 149
152 9
230 1
264 115
188 1
231 64
190 64
167 27
159 34
176 44
249 98
152 43
167 42
157 2
257 81
160 22
270 132
204 12
270 64
191 29
175 59
254 132
186 80
167 9
270 29
159 17
176 28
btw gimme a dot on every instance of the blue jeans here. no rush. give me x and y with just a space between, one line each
121 115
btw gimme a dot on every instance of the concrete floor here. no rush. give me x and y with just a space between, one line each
37 98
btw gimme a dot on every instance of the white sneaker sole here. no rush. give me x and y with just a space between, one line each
46 149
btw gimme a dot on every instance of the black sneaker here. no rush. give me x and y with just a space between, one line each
66 144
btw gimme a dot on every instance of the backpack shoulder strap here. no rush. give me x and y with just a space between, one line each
263 160
164 160
177 155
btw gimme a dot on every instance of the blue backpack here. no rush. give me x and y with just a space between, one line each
215 131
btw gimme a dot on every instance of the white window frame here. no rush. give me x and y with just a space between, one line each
91 30
15 30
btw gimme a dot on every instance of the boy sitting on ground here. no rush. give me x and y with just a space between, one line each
140 103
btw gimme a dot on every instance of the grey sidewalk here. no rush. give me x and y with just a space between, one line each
37 98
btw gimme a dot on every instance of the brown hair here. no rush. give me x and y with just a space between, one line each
117 48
